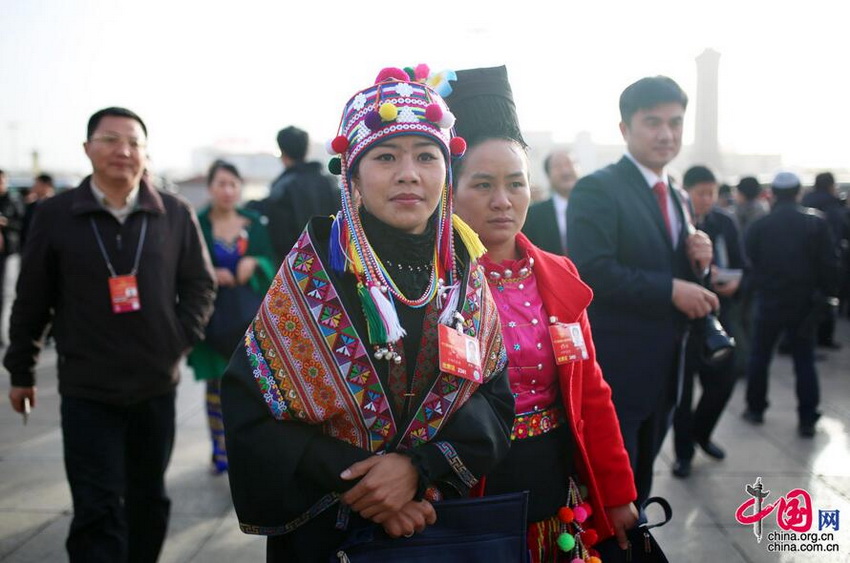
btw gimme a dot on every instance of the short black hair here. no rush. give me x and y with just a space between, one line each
648 93
221 165
697 175
547 162
785 194
824 181
94 120
293 142
45 179
749 187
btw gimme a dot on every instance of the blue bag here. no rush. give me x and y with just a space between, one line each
470 530
234 309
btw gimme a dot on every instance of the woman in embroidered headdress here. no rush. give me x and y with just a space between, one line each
337 409
566 449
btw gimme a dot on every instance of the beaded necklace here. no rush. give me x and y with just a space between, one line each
362 258
498 278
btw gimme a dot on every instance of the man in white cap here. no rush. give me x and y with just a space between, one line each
794 270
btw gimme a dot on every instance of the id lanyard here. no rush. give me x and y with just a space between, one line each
123 290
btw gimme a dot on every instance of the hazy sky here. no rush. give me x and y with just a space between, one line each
205 72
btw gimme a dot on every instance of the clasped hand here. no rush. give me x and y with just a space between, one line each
385 494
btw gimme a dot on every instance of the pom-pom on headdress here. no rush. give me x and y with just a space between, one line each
400 102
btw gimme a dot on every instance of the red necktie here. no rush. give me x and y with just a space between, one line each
660 191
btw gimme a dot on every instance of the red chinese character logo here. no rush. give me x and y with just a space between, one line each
793 511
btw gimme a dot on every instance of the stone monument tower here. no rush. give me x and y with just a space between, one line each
706 144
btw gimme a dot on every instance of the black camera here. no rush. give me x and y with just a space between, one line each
717 345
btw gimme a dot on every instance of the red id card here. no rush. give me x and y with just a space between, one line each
459 354
568 343
124 293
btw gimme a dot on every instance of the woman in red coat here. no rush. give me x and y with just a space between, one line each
567 450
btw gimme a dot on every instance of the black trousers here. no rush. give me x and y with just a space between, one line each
772 322
689 425
115 461
643 438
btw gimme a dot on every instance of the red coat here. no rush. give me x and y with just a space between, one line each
601 459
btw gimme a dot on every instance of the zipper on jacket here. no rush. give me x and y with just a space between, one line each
118 240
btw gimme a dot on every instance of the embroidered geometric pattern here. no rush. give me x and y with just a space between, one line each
323 504
463 473
428 358
307 341
484 321
403 95
449 392
312 366
278 398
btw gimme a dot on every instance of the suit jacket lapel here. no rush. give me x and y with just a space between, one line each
555 237
644 194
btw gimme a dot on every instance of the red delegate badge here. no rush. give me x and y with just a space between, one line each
124 293
459 354
568 343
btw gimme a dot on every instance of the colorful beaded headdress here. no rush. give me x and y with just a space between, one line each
400 102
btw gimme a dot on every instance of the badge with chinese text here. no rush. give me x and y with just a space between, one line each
568 343
124 293
459 354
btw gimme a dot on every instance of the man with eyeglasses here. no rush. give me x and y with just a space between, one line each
121 271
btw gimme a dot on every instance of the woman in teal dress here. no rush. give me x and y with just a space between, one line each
241 252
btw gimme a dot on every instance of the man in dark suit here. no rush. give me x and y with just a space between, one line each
717 379
301 191
824 198
632 243
546 224
794 270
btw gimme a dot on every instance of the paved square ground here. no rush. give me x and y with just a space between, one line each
35 504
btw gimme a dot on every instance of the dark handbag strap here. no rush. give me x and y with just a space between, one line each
668 511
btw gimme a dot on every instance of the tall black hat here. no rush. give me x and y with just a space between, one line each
483 104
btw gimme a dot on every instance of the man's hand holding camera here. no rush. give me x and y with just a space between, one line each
691 298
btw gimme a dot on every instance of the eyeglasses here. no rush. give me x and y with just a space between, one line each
113 141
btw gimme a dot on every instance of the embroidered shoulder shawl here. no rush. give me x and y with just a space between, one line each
312 366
